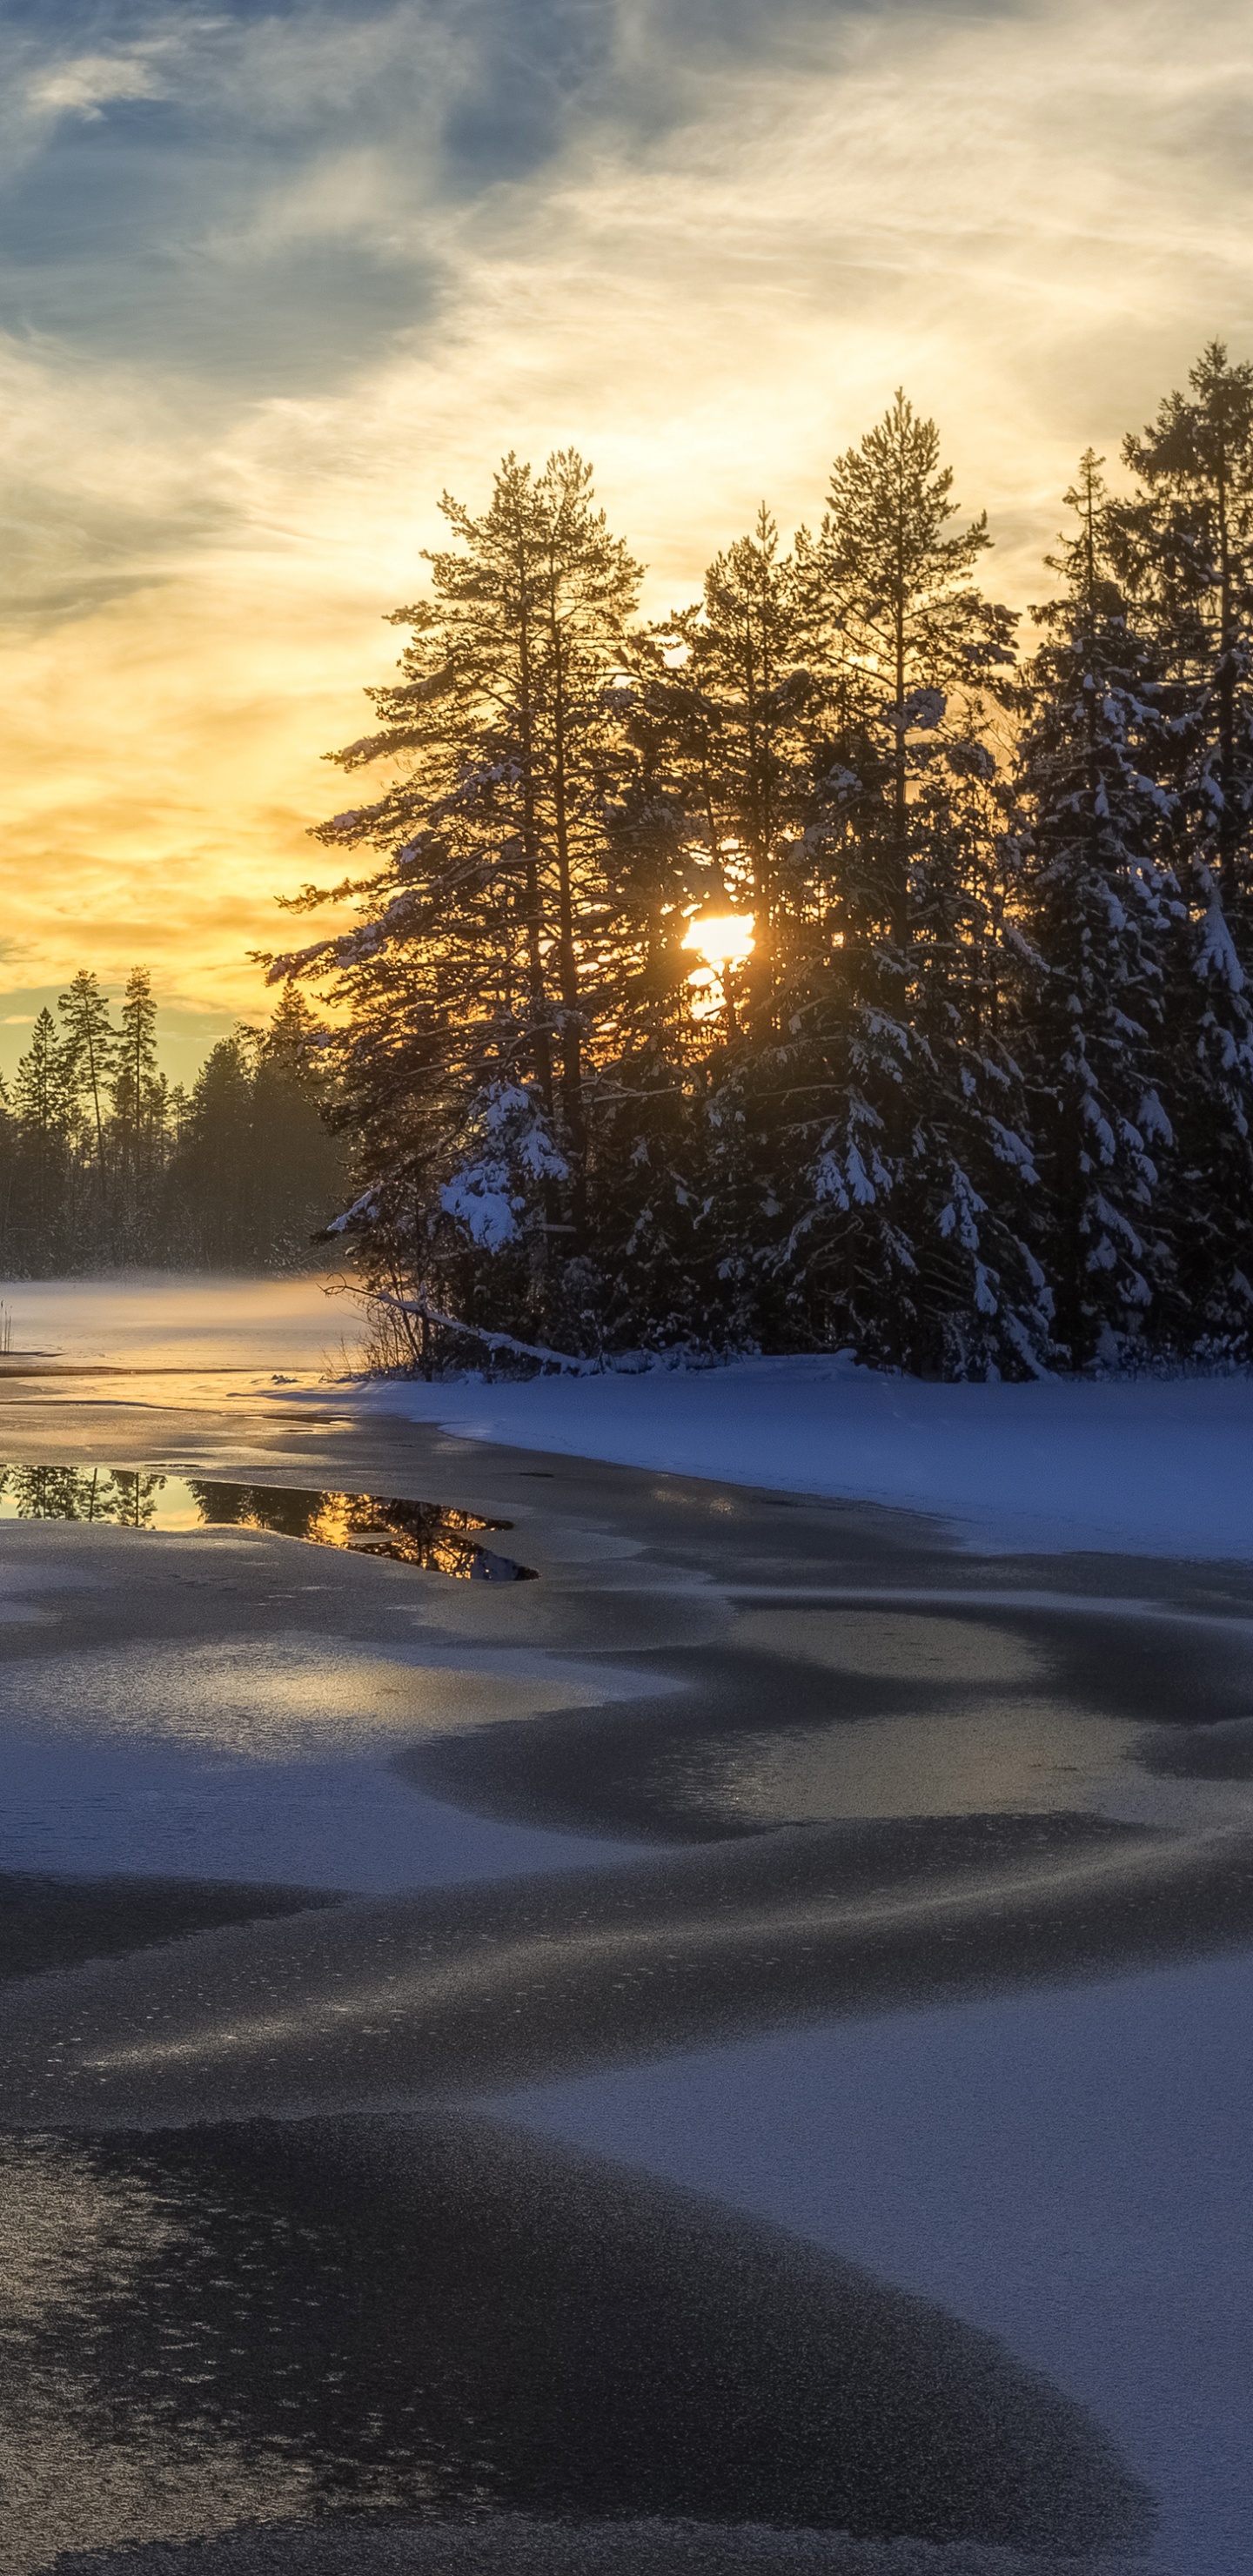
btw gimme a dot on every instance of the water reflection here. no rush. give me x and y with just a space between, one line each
806 1716
997 1755
427 1535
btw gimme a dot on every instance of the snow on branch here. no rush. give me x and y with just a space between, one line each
491 1341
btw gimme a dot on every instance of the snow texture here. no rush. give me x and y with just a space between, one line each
1138 1466
512 2545
1066 2170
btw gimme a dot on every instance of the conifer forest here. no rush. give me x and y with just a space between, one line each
835 962
104 1164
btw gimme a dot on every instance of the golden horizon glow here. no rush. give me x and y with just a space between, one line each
1030 221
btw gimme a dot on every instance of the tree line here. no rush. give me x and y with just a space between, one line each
820 965
105 1164
815 967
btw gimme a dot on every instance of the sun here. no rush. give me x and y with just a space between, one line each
721 939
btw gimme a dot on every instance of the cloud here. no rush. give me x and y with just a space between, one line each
263 318
264 197
105 486
88 83
182 203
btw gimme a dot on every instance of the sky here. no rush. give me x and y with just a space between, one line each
274 276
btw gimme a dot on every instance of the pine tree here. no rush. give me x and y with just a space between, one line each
43 1101
905 1104
135 1065
253 1172
1184 547
725 685
988 981
296 1166
213 1177
137 1127
712 791
487 954
1186 541
1101 916
90 1041
894 584
9 1154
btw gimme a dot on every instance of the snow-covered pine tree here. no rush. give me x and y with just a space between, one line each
714 792
1101 917
488 954
906 1124
1183 546
730 683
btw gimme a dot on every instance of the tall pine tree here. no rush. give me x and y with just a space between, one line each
1183 544
1101 916
139 1095
488 953
906 1105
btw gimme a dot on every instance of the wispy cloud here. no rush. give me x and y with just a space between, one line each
332 260
88 83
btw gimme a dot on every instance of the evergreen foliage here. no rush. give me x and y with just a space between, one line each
1102 910
104 1166
804 969
913 1149
1183 543
583 1134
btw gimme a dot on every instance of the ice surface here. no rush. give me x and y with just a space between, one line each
1067 2169
1145 1466
270 1760
165 1319
82 1811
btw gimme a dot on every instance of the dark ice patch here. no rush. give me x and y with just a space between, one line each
48 1922
1220 1752
447 2316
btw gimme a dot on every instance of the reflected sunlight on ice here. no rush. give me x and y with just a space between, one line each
159 1319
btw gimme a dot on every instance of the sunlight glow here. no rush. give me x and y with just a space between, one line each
722 939
196 596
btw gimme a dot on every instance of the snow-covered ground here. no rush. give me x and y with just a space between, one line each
1163 1468
1160 1467
1068 2169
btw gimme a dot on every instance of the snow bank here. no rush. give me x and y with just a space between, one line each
1142 1466
1157 1467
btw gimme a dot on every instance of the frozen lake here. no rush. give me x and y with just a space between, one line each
163 1320
1057 2155
1069 2170
1144 1466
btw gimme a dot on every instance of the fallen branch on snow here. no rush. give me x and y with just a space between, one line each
491 1341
